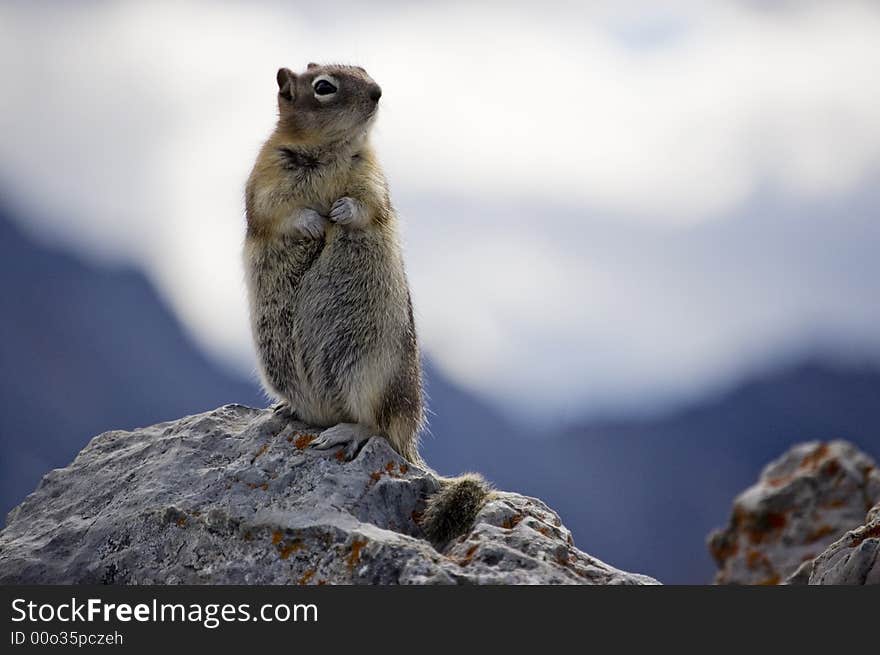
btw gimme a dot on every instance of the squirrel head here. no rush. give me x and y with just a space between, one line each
327 103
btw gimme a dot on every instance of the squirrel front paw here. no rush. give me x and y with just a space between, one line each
310 223
348 211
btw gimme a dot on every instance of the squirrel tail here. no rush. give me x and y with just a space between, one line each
451 511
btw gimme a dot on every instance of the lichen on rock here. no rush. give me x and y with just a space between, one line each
802 503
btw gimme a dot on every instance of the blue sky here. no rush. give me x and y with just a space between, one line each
607 205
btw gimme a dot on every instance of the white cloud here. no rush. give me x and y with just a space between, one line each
129 129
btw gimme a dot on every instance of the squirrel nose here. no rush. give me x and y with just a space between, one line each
375 93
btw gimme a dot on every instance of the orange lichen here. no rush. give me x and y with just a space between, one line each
308 575
770 581
354 557
831 468
775 520
261 450
468 556
723 548
758 527
276 536
181 521
340 456
390 469
813 459
303 440
755 559
563 558
290 547
511 522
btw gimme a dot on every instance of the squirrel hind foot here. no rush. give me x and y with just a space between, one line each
351 435
451 512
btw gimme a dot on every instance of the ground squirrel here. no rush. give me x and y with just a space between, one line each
329 299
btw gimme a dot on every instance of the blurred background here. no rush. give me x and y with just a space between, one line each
642 239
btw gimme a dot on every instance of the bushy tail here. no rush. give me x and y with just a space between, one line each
451 511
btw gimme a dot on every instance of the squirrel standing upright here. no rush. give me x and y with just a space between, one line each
329 300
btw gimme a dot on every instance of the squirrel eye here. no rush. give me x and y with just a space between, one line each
324 88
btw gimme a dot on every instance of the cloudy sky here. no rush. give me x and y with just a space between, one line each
606 206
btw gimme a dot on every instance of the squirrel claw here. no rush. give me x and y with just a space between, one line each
310 224
284 409
346 211
352 435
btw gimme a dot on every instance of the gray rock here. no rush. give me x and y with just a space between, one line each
802 503
233 496
854 559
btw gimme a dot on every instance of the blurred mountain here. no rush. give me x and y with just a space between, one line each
85 349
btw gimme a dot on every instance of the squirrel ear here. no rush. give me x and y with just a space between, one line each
311 65
286 78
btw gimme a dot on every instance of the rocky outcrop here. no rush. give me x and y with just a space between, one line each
803 502
854 559
234 496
